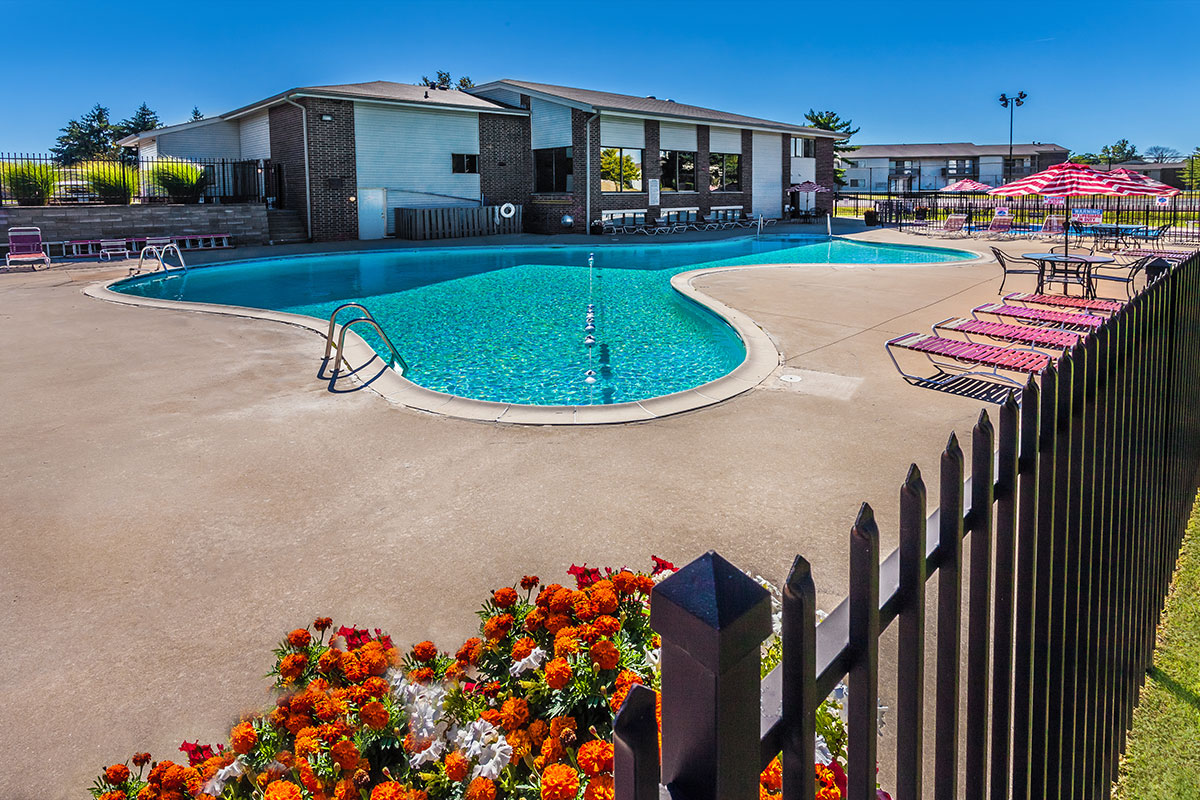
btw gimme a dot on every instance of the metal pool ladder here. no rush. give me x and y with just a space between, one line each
158 249
369 319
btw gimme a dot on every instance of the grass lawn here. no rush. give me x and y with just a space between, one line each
1162 759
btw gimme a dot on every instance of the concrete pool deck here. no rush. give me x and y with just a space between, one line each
180 489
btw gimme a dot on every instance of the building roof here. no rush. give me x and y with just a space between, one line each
952 150
1145 166
652 107
133 138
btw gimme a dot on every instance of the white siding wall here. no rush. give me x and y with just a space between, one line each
255 133
725 140
501 95
217 140
549 124
148 148
676 136
407 151
767 161
622 132
803 169
991 170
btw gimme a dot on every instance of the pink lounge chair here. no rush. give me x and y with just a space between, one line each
1052 226
1001 225
25 247
1007 332
957 359
953 225
1060 301
1040 315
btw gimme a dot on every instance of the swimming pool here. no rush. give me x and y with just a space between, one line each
507 324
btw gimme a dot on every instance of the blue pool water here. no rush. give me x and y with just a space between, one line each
506 323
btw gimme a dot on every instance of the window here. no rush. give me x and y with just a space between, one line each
620 169
804 148
678 171
855 183
904 167
724 172
962 166
464 164
553 170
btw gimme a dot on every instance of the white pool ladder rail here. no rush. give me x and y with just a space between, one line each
369 319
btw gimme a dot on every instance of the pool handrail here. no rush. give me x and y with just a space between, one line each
369 318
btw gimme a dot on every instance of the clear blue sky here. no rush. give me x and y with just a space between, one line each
905 72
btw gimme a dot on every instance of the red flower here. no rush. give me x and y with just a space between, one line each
584 576
116 774
662 565
529 582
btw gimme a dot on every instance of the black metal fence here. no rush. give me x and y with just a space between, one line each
1075 509
38 180
1181 212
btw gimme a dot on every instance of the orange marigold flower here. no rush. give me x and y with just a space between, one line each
389 790
375 686
278 716
560 601
595 757
422 675
179 777
560 725
584 608
505 597
374 715
587 632
307 746
605 600
491 716
140 759
308 777
606 625
628 677
771 778
116 774
283 790
344 754
286 758
299 638
565 645
328 660
625 582
644 584
514 713
330 708
209 766
456 766
469 652
481 789
605 654
537 732
351 667
322 624
535 619
556 622
529 582
558 673
374 660
522 648
345 790
297 722
292 666
497 627
547 594
146 793
115 795
455 671
599 788
418 794
424 651
243 737
559 782
520 743
618 697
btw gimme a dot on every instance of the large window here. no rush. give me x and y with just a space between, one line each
553 170
678 171
962 166
620 169
804 148
464 163
725 172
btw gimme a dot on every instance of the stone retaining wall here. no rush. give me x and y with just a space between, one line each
246 223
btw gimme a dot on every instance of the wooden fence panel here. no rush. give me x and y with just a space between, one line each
441 222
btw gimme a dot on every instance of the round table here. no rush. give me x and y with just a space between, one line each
1083 277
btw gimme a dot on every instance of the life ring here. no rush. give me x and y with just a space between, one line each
508 210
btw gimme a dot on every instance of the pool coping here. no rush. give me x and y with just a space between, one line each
762 359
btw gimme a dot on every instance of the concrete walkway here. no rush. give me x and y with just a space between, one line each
179 489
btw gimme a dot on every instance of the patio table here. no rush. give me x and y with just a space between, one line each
1111 232
1066 269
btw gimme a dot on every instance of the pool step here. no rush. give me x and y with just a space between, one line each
285 226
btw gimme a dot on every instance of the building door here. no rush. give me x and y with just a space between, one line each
372 213
767 172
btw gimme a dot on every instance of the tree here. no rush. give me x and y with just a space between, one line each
91 136
466 83
1084 158
1190 175
142 120
617 170
196 115
830 121
1119 152
1158 153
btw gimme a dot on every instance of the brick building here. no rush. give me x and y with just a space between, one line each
346 156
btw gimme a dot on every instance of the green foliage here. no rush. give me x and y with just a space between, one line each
113 181
831 121
182 180
196 115
31 183
91 136
1118 152
620 170
1190 174
1084 158
445 81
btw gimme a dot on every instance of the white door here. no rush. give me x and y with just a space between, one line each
767 169
372 213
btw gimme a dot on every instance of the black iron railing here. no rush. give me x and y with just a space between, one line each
37 180
1075 509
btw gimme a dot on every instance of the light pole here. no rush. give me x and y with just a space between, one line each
1011 104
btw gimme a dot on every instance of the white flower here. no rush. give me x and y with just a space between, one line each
430 755
493 758
531 661
882 711
224 775
821 751
474 737
654 657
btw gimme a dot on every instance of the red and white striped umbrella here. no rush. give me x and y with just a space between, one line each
1155 187
808 186
1071 180
966 185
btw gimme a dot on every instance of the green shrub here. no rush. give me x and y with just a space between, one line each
31 183
113 181
182 180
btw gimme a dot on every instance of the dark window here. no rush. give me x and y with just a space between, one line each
804 148
465 163
678 170
620 169
552 170
725 172
855 182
